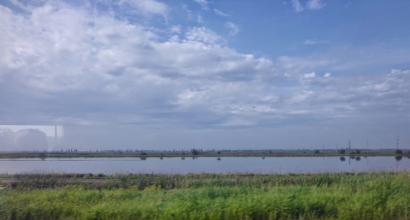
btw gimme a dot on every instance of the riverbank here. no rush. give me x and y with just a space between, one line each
208 153
206 196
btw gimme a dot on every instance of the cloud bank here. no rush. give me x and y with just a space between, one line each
79 64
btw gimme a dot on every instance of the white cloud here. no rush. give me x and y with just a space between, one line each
148 6
314 42
232 27
63 63
297 6
59 52
301 5
221 13
188 12
199 19
295 66
203 3
202 34
302 97
311 75
177 29
315 4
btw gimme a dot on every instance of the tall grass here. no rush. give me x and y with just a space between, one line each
321 196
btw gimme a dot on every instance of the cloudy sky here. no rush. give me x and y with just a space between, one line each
208 73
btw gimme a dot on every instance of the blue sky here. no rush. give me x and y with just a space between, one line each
260 74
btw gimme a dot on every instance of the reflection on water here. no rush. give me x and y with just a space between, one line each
205 165
398 157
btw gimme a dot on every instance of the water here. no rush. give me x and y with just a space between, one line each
202 165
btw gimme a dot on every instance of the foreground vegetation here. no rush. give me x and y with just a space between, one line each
206 196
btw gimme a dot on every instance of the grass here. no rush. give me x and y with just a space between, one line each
206 196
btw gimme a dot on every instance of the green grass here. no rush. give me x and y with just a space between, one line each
207 196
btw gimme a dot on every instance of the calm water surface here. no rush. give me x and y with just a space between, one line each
203 165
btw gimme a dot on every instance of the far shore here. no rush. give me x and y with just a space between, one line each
72 153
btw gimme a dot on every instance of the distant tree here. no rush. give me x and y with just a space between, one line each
43 155
399 152
342 151
317 151
194 152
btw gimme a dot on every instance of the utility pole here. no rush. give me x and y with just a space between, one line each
398 142
349 144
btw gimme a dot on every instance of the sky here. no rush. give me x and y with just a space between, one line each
208 74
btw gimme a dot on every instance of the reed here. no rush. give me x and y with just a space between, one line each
208 196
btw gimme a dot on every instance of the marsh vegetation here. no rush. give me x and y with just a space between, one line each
206 196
